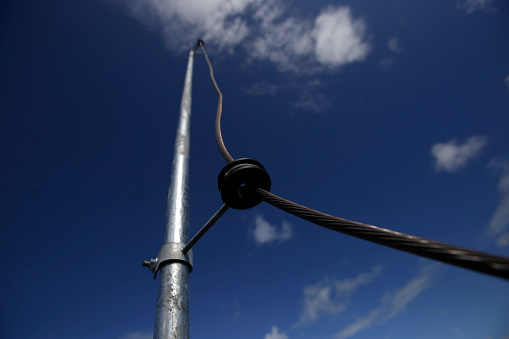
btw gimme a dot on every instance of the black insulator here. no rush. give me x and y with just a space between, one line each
238 182
200 43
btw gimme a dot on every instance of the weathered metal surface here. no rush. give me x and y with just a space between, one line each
172 312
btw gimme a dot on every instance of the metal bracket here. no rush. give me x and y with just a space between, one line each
170 252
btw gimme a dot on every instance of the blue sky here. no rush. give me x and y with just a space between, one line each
391 113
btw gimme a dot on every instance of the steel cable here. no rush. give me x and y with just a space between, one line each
219 136
454 255
459 256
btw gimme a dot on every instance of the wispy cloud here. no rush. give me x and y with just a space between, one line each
275 334
137 335
234 308
265 232
451 156
471 6
392 304
503 240
319 300
500 219
330 297
262 28
218 21
262 88
394 45
456 331
313 102
347 287
334 39
304 95
386 63
506 82
283 40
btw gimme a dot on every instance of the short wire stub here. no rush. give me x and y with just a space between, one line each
238 181
169 252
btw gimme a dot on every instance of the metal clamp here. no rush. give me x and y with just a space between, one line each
169 252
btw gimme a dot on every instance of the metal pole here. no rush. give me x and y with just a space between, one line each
172 312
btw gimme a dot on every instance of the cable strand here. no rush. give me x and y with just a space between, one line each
450 254
219 136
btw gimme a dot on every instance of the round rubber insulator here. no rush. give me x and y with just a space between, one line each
232 164
238 181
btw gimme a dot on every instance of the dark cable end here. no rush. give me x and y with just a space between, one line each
200 43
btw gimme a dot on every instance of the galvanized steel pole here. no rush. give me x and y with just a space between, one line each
172 313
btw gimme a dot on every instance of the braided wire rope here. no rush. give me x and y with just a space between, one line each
450 254
454 255
219 135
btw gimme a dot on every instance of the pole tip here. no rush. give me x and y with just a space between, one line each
200 43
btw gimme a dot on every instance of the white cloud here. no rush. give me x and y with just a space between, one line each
347 287
359 325
503 240
287 44
334 39
391 304
500 219
262 88
138 335
313 102
397 302
264 232
451 156
394 45
262 28
330 297
234 308
304 95
471 6
275 334
340 39
318 300
217 21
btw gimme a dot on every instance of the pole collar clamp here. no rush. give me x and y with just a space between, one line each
169 253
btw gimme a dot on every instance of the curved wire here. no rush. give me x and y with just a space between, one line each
450 254
219 136
454 255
